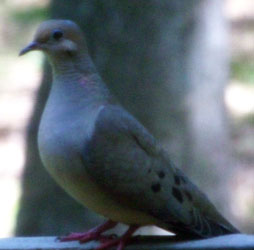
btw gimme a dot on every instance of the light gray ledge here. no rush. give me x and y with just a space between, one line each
236 241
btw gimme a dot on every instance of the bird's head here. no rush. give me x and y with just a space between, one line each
57 38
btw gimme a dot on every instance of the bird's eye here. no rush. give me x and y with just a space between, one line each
57 34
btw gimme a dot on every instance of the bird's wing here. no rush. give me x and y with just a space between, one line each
123 158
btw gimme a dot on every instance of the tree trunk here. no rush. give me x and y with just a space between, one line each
212 164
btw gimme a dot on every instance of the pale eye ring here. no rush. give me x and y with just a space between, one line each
57 34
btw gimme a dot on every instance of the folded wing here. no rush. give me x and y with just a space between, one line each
124 159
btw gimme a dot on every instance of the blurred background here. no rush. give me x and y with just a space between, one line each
185 69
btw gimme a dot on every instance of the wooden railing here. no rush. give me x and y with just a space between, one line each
236 241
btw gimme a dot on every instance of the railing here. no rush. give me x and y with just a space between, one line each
236 241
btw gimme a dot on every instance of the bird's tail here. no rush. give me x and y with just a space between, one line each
202 229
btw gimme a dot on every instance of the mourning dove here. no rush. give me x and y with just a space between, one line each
104 158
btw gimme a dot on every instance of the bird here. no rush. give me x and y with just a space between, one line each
104 157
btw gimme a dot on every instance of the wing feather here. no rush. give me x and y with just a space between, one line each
124 158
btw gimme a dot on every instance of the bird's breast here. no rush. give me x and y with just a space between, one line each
69 171
61 142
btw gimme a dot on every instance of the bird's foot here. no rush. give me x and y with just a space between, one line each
93 234
107 241
119 242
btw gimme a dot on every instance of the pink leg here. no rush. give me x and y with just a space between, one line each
120 242
93 234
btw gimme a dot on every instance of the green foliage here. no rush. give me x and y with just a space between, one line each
28 16
249 119
243 71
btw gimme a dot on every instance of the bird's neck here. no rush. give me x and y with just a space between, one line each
72 67
78 79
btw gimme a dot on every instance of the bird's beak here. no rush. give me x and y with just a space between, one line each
30 47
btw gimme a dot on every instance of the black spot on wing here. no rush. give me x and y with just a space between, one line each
188 195
177 194
156 187
177 180
161 174
183 179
